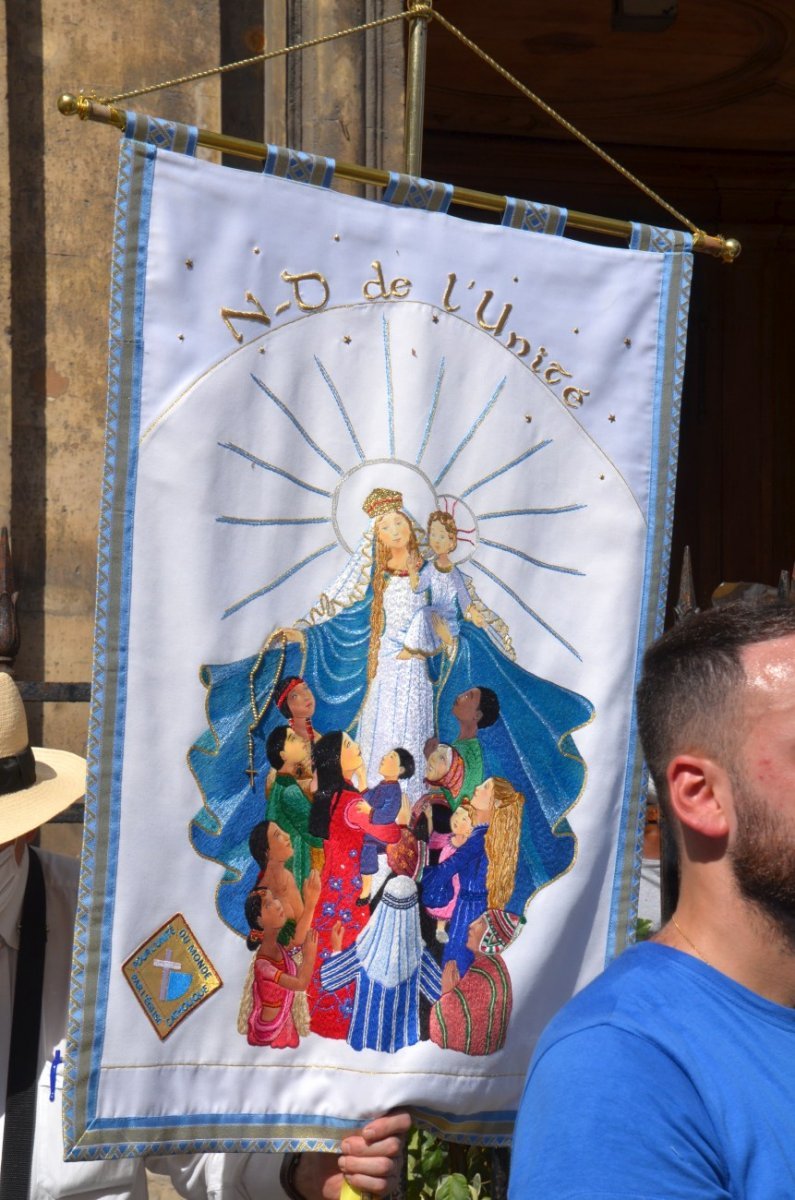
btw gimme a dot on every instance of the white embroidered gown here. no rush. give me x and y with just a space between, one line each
398 709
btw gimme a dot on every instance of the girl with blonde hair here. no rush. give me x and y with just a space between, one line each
485 866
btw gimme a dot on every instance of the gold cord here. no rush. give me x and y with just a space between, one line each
424 11
567 125
261 58
685 938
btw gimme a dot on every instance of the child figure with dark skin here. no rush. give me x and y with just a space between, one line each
287 803
475 709
272 849
296 703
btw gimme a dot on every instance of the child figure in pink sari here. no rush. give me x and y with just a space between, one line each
276 976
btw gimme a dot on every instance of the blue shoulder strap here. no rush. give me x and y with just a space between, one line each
162 134
299 166
535 218
410 191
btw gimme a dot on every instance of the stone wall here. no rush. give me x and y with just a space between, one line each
57 182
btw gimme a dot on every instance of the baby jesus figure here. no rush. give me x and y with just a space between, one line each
436 625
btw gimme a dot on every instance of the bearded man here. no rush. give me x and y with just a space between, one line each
673 1074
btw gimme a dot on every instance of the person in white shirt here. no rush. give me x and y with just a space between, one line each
36 785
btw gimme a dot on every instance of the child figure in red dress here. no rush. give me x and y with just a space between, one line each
339 816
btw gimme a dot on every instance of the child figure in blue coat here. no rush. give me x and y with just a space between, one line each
385 801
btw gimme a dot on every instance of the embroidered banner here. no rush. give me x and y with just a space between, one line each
385 528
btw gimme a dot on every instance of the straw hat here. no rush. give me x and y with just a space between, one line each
35 784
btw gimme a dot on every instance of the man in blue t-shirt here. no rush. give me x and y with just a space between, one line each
673 1074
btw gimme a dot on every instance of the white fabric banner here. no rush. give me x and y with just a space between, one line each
387 507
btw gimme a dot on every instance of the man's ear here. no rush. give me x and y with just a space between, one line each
700 794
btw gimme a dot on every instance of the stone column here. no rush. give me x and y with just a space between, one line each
61 180
345 98
57 187
5 292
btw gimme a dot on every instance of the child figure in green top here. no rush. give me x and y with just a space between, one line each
287 804
475 709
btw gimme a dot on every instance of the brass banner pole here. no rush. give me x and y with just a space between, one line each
718 246
419 14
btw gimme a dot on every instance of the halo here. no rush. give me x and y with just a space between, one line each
348 517
466 524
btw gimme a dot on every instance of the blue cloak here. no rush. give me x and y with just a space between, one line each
530 744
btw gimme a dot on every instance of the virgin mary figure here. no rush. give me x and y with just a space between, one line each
348 649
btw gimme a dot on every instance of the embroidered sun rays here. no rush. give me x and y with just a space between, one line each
448 456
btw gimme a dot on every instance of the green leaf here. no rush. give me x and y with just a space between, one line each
643 929
433 1159
453 1187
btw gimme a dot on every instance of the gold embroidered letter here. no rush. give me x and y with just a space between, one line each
553 369
383 292
539 358
397 289
514 340
297 280
448 294
574 396
481 315
243 315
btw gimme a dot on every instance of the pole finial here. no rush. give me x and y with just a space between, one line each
686 604
69 105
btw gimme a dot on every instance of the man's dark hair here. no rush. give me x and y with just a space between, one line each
691 689
407 764
275 745
489 707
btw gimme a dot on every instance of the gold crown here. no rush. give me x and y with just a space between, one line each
382 500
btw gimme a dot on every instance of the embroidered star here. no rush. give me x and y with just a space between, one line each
516 278
181 337
627 342
256 250
413 352
262 349
435 318
612 418
189 263
347 340
528 418
575 330
336 237
601 476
